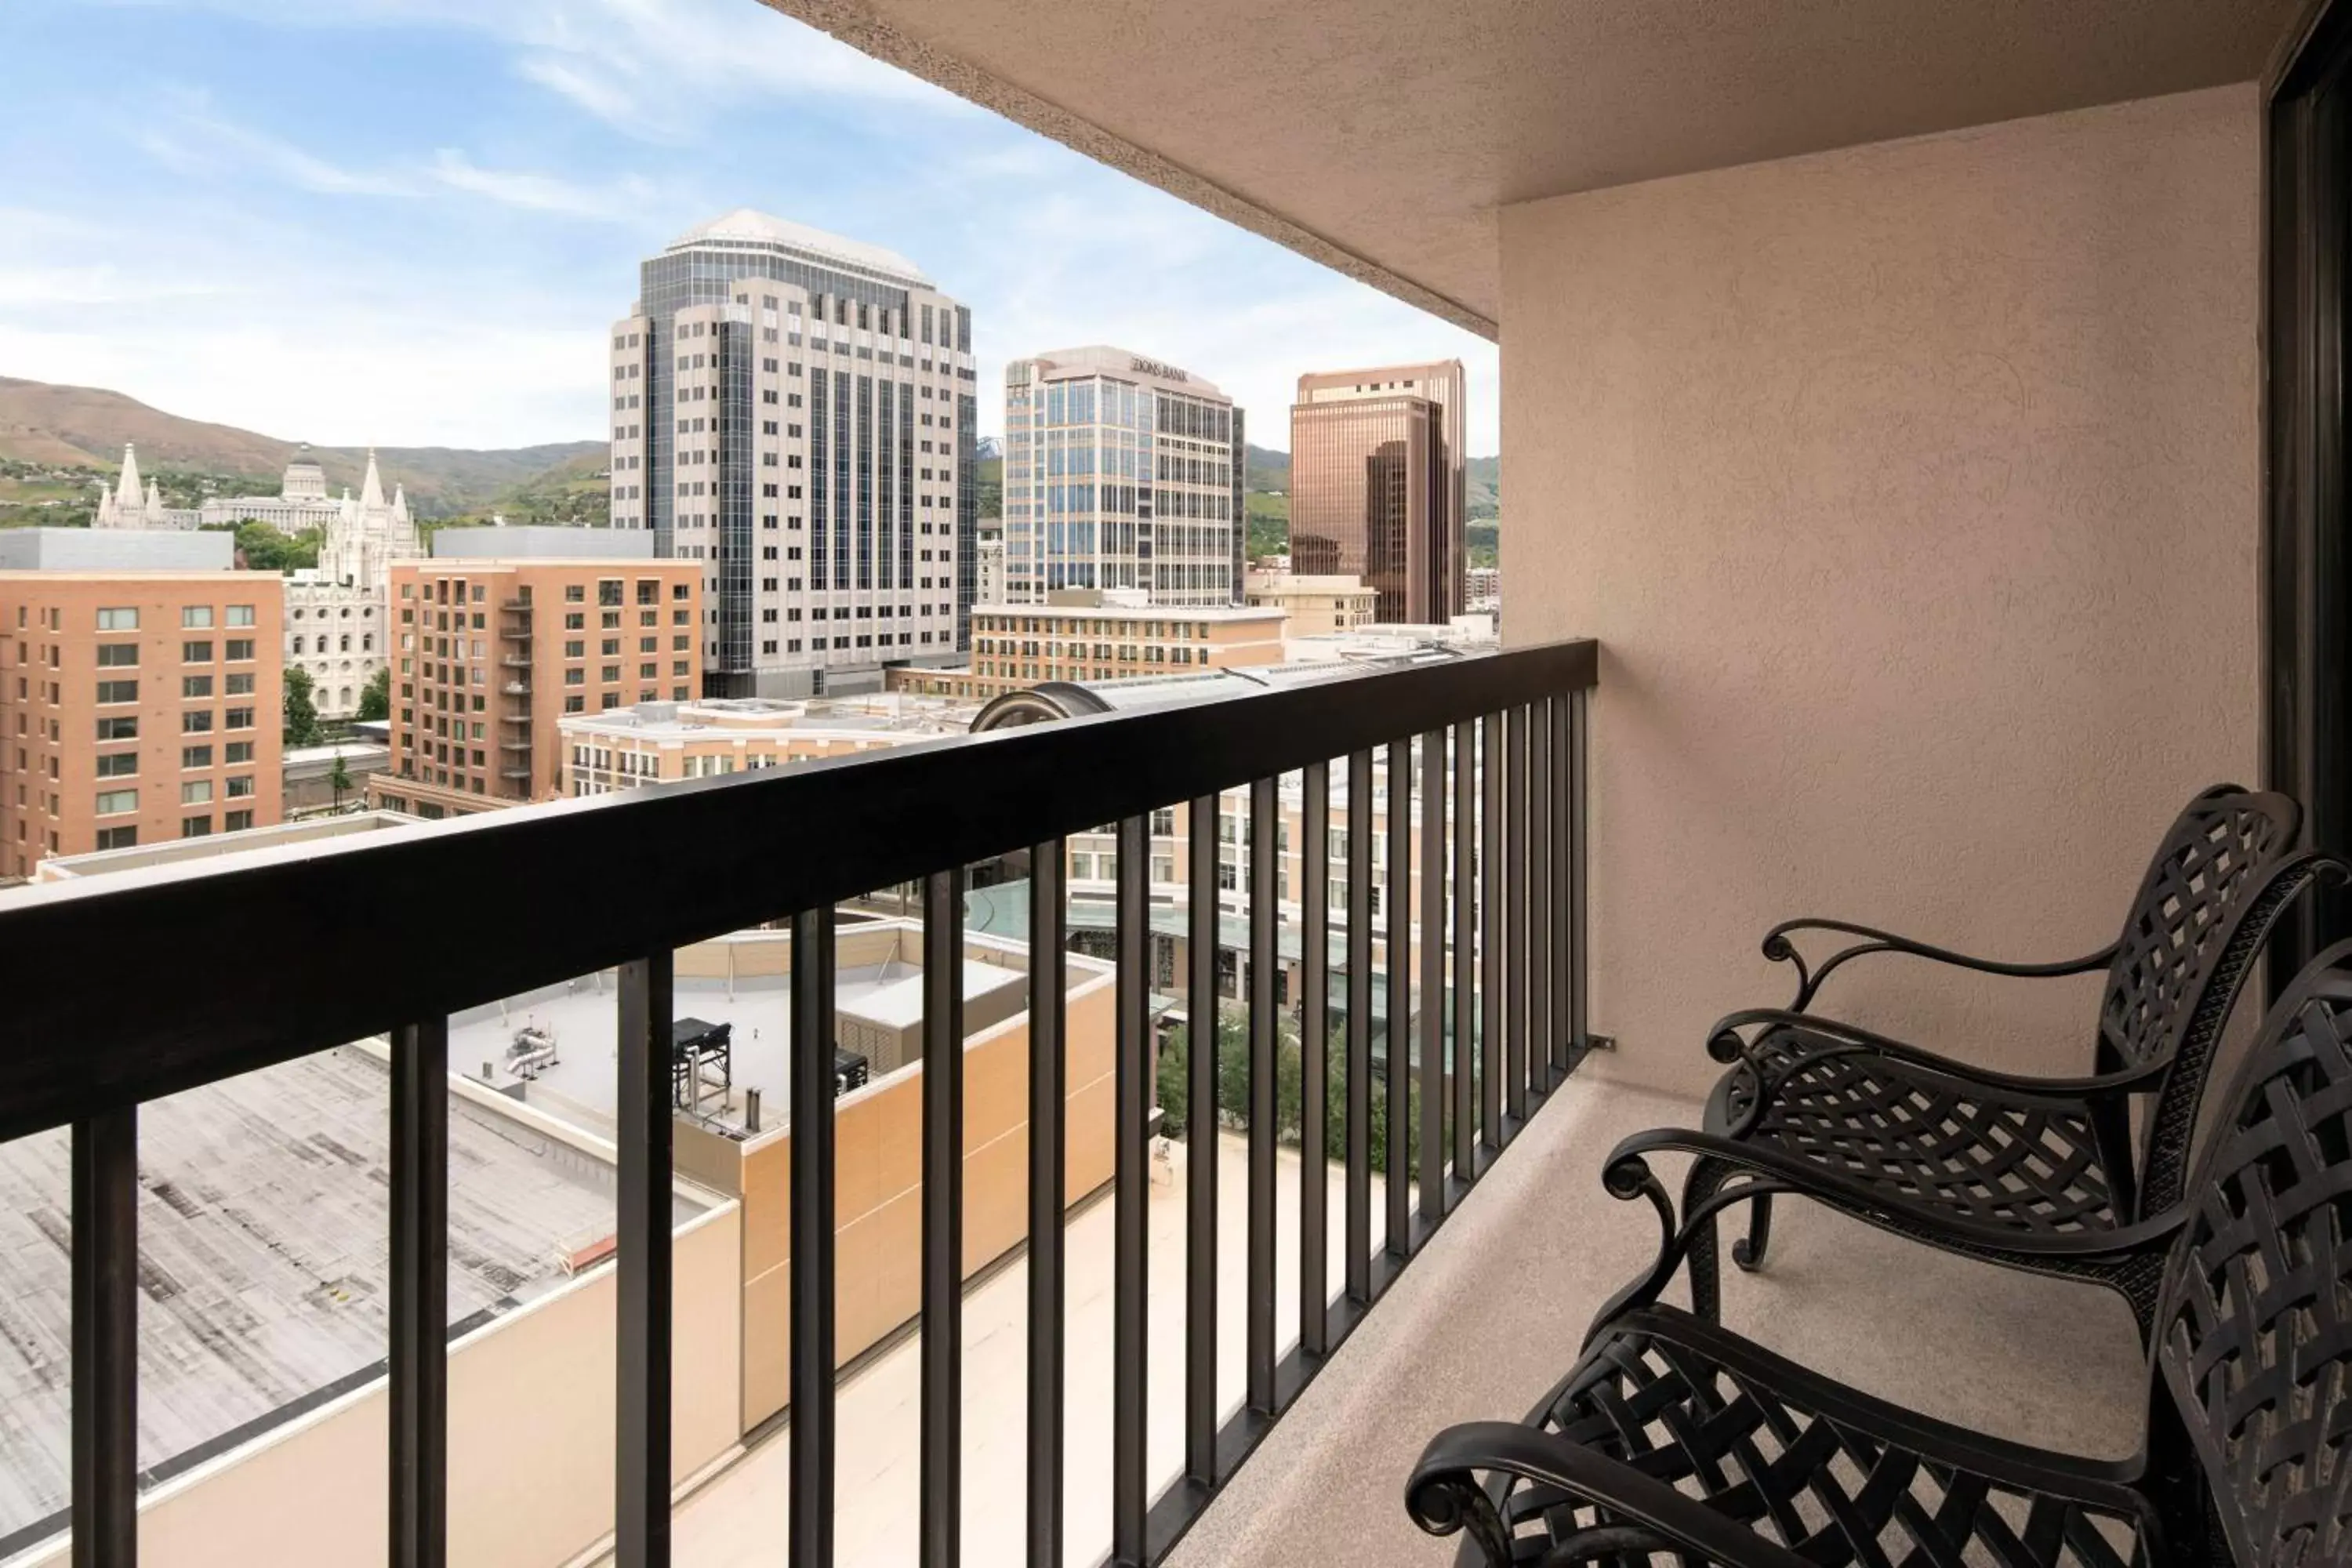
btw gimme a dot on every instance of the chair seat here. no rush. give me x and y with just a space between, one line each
1819 1469
2028 1163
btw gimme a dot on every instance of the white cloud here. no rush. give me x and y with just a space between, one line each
624 201
659 69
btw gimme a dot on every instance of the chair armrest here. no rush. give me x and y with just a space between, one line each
1445 1496
1770 1171
1780 949
1725 1044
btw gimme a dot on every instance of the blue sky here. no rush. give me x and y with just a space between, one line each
410 221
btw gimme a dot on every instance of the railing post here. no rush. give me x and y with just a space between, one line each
642 1455
1539 886
1520 953
1400 1020
1490 932
105 1507
1564 904
1265 922
940 1522
1314 1059
1132 1166
1361 818
1464 841
1431 1091
1580 831
1201 1134
1048 1182
419 1359
809 1532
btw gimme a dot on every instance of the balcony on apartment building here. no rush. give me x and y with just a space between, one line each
1926 467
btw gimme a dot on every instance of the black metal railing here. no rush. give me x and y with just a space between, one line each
392 947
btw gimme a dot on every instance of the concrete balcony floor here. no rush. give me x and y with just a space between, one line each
1483 1321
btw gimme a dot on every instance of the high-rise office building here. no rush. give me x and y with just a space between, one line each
797 412
1121 472
1376 485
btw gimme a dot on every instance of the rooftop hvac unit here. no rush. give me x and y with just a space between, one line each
850 1071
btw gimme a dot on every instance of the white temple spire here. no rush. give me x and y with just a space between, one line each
127 495
372 487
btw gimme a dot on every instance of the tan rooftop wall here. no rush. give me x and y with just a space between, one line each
531 1439
1912 493
878 1189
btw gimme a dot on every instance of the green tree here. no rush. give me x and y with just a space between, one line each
375 697
339 779
301 713
1289 1086
264 549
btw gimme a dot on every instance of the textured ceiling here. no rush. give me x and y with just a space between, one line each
1380 136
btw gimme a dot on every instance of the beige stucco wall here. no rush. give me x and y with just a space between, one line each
530 1438
1911 490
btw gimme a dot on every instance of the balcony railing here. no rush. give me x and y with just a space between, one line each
1493 749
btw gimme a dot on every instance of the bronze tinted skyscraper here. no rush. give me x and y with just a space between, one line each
1376 484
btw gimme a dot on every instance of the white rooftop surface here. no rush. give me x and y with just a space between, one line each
264 1235
585 1020
748 226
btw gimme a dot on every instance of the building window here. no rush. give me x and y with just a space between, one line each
118 691
196 791
238 752
196 722
195 756
195 686
240 787
117 764
117 654
124 729
116 838
236 821
116 802
240 685
193 616
123 620
238 719
240 615
196 826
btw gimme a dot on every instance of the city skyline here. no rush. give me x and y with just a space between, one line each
427 253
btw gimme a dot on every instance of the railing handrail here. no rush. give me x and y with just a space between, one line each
382 925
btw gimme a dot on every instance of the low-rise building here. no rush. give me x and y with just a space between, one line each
309 773
1483 589
655 743
492 653
1096 636
1336 603
136 707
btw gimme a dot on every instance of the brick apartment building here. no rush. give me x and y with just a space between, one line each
488 655
136 707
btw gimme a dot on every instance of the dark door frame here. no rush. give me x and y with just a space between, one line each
2306 549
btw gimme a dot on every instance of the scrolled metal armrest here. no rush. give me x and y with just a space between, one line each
1725 1036
1779 949
1769 1170
1445 1496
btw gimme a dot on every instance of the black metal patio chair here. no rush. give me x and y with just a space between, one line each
1674 1438
1986 1162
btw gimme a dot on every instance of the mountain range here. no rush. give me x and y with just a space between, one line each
55 426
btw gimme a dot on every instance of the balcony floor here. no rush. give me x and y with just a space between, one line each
1490 1315
1478 1327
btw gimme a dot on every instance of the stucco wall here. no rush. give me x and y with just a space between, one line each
1911 490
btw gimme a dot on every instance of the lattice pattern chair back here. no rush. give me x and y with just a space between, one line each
2184 953
2255 1335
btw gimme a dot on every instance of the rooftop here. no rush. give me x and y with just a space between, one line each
1103 359
887 713
747 225
263 1213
